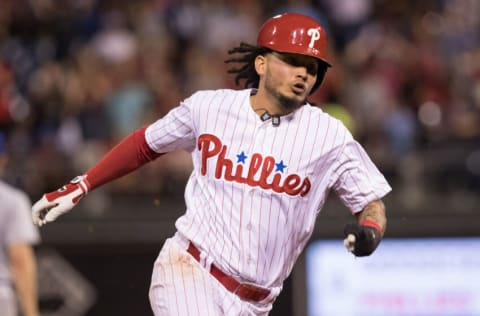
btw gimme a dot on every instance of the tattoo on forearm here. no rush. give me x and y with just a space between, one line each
375 211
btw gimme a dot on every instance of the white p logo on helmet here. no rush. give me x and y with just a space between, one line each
314 34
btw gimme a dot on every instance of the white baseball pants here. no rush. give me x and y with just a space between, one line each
181 286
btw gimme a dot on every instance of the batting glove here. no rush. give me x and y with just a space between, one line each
362 239
58 202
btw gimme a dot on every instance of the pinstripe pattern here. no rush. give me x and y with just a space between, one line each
181 286
256 189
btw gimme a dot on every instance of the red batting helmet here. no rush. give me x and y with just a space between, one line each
294 33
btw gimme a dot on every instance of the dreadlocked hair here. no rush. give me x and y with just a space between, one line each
246 71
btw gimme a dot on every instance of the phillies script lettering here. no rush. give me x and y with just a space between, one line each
259 170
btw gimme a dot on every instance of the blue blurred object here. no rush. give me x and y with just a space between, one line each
3 145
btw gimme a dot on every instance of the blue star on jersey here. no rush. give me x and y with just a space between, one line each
241 157
280 166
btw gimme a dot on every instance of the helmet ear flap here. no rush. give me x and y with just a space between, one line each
322 71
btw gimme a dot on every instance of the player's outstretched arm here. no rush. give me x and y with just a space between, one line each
363 237
128 155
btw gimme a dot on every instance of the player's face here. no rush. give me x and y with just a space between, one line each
290 78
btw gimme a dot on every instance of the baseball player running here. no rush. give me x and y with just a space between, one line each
264 161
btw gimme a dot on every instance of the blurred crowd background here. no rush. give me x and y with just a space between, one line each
76 76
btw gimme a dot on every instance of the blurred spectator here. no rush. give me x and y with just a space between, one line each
13 107
348 18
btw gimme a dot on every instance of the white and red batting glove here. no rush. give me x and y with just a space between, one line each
59 202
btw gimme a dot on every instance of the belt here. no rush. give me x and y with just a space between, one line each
246 292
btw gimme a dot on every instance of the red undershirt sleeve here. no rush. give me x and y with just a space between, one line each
128 155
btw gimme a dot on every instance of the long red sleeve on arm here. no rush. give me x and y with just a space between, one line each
128 155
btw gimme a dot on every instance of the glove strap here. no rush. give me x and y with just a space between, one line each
373 224
82 183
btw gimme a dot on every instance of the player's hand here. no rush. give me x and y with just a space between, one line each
362 239
58 202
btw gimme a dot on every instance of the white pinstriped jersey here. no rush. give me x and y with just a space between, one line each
256 189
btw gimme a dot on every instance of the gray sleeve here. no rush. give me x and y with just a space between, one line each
20 227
